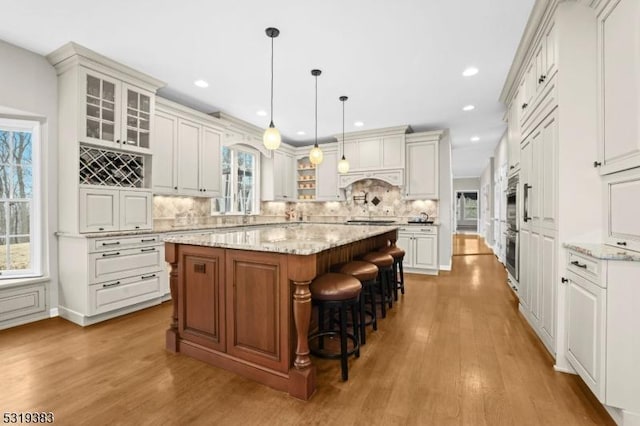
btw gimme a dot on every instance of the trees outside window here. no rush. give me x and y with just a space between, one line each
18 244
239 182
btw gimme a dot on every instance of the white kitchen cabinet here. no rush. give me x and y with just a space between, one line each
375 150
118 275
586 322
280 174
107 209
327 177
622 191
20 302
422 166
420 244
618 84
283 176
186 152
114 113
603 312
514 136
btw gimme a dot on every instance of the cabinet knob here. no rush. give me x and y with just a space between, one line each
118 141
100 229
524 105
597 164
564 280
621 243
512 167
175 187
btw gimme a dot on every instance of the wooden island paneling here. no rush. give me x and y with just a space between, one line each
241 299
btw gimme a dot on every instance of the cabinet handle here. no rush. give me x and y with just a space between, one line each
100 229
146 277
148 249
579 265
564 280
525 105
622 243
111 254
597 164
525 204
512 167
542 78
115 243
111 285
137 227
148 240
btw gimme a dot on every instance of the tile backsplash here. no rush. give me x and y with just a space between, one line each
189 210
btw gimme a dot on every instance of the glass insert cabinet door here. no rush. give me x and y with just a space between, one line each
137 117
101 121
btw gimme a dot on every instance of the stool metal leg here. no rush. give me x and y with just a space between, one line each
321 326
363 335
343 343
401 275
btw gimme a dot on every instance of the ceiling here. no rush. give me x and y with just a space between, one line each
399 62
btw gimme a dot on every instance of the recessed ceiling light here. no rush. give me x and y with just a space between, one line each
475 139
301 132
468 108
470 71
262 113
358 124
201 83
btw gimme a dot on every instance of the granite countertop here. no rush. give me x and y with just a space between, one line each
603 251
292 238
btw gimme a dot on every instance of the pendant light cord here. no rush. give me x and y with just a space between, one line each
271 125
343 129
316 144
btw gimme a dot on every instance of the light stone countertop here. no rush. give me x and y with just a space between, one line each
604 252
291 238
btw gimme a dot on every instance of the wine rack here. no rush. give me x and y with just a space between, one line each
111 168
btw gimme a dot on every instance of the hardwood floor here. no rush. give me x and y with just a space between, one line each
453 351
466 244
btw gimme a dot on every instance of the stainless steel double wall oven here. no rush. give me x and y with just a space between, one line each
512 250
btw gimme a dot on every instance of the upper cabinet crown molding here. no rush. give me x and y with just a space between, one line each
176 108
240 132
73 54
433 135
388 131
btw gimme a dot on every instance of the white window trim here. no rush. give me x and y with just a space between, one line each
257 182
35 225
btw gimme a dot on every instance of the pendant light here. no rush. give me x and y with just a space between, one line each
271 137
343 164
316 156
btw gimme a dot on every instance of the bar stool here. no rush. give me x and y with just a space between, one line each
398 273
384 262
340 291
366 273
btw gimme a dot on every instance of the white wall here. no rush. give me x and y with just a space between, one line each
486 203
28 88
445 204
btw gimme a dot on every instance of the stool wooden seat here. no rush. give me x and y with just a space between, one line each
366 273
384 262
341 291
398 272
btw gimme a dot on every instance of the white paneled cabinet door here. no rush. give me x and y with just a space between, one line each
585 332
165 140
352 154
535 181
422 170
619 67
524 281
99 209
548 170
136 210
514 135
290 184
405 242
623 226
526 159
188 161
393 152
327 177
135 133
426 251
209 166
548 291
370 153
535 277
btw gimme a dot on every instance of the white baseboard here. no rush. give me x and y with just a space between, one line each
616 414
85 320
567 370
53 312
445 267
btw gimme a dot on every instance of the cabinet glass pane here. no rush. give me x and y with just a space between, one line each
107 132
144 140
93 111
107 115
93 101
93 86
108 91
132 137
93 128
145 103
132 99
132 121
144 124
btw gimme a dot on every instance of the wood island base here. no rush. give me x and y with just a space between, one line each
249 311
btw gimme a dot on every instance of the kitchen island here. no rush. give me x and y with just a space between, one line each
241 298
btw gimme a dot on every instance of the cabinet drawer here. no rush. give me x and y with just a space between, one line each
122 293
113 265
585 267
123 242
429 230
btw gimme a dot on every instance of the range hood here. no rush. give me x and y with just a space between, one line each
394 177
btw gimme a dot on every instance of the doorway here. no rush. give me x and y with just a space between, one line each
467 211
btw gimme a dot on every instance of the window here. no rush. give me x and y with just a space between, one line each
19 193
239 181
